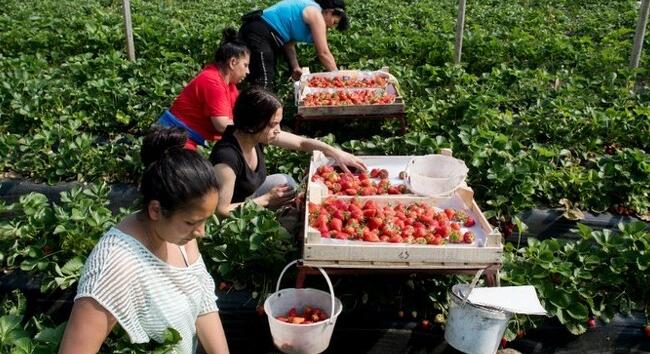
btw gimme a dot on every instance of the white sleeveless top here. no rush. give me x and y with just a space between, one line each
145 294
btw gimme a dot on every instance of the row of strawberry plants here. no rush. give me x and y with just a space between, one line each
516 113
597 276
82 54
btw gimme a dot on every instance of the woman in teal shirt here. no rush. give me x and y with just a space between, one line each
278 28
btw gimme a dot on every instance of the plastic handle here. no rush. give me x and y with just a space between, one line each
327 279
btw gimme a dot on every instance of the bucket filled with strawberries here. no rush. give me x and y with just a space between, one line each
302 320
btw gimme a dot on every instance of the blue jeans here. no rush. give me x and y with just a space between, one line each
167 119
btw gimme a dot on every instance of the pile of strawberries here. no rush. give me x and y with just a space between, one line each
416 223
359 184
347 98
347 82
308 316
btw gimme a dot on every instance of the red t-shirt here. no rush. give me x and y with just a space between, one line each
207 95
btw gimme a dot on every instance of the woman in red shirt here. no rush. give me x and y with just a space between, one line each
204 107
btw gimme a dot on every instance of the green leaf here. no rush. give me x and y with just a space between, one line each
643 262
73 266
578 311
7 325
172 336
561 299
256 240
51 335
225 269
633 228
584 231
576 328
59 229
23 345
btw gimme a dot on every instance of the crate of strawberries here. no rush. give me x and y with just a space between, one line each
372 220
349 92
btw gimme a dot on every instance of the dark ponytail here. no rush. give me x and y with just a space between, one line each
254 109
232 46
173 176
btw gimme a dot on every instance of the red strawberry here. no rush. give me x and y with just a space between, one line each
370 204
444 231
292 312
336 224
591 323
393 190
374 223
469 222
468 237
371 237
324 231
341 235
450 213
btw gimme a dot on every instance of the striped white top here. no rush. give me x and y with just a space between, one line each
145 294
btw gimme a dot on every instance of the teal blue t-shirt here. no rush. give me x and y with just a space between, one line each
285 18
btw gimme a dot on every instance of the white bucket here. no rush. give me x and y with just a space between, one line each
473 329
311 338
435 176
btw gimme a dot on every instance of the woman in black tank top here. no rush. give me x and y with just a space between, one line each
238 158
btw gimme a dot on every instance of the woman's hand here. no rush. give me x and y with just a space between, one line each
296 74
280 195
346 160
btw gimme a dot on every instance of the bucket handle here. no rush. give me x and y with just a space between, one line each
327 279
472 285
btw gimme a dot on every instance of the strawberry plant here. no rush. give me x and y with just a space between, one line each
601 274
21 335
53 240
248 247
39 335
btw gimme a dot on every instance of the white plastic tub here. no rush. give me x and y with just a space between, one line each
436 176
300 338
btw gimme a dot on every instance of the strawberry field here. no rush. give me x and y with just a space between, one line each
543 109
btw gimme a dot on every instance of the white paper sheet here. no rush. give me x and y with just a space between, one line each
515 299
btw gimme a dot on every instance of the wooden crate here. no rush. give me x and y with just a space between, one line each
313 112
354 110
324 252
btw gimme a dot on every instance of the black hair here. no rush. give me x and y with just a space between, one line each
338 7
174 176
232 46
254 109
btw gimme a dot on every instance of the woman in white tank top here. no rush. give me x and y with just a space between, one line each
146 274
